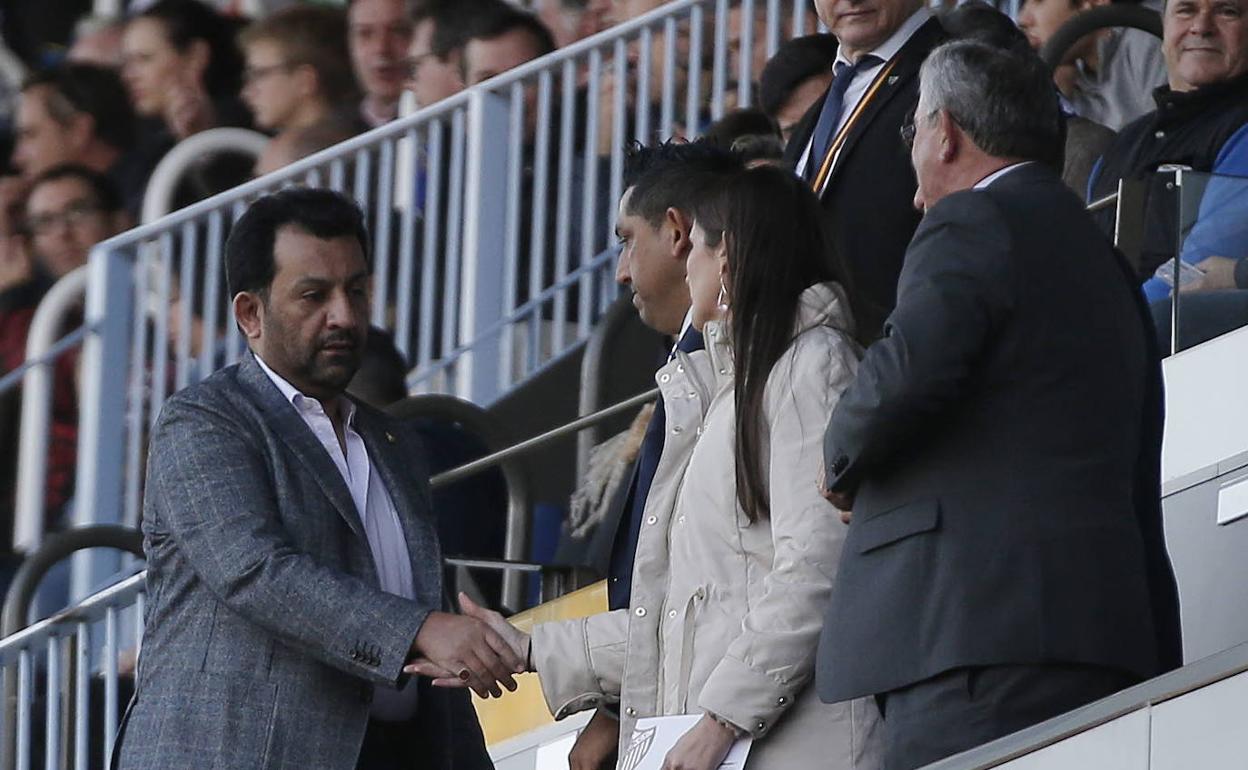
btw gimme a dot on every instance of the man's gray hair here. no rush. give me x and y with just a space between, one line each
1004 100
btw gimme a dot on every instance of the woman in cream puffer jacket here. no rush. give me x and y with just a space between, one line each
737 550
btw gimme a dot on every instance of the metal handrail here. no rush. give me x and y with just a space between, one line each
158 198
1116 15
541 440
37 383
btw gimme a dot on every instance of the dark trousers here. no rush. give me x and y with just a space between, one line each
966 707
388 746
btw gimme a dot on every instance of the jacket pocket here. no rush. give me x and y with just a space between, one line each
896 524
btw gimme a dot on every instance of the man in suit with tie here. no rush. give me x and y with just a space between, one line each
653 226
845 146
293 563
1000 446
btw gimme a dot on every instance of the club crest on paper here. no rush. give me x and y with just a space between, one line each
638 747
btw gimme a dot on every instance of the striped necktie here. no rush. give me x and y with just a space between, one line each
830 116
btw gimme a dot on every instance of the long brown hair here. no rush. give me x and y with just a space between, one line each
776 248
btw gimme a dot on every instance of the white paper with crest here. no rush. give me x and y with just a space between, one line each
653 737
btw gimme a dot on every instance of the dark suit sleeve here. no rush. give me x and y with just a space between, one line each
214 500
955 286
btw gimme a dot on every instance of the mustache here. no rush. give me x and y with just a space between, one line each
339 338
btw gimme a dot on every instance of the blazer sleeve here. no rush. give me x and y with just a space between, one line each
580 662
956 286
215 502
766 667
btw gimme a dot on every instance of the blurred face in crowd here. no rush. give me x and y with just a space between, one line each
41 142
485 58
652 262
65 220
431 79
101 47
1039 19
569 22
758 39
861 26
273 89
153 68
800 100
312 325
707 278
1204 41
380 33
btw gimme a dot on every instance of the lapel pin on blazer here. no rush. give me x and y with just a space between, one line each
893 79
390 437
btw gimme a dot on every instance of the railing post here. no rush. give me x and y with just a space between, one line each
482 303
101 418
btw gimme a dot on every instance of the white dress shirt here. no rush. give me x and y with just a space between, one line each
377 513
994 176
864 77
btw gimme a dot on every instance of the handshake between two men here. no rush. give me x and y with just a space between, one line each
478 649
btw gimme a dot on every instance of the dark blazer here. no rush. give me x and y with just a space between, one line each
869 198
266 631
1004 441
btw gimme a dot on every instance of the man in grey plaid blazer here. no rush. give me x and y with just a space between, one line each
293 563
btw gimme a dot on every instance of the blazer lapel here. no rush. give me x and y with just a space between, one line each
300 440
909 59
400 470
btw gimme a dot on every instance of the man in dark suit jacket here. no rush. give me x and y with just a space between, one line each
846 145
293 561
1000 446
661 184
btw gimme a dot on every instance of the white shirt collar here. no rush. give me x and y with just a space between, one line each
889 48
298 400
994 176
684 328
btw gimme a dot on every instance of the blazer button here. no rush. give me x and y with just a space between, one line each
840 464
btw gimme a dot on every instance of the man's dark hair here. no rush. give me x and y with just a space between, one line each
492 18
452 23
674 175
741 122
85 88
249 263
104 191
795 62
381 379
979 21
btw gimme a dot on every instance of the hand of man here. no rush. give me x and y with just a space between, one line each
468 650
844 501
702 748
596 746
515 638
1219 274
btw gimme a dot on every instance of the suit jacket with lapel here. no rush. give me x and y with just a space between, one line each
869 198
1004 440
266 631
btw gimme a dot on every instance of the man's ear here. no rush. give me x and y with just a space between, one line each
950 136
248 313
679 226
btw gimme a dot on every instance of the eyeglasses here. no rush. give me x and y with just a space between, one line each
75 214
908 128
252 74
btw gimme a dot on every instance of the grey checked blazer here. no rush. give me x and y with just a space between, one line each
266 633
